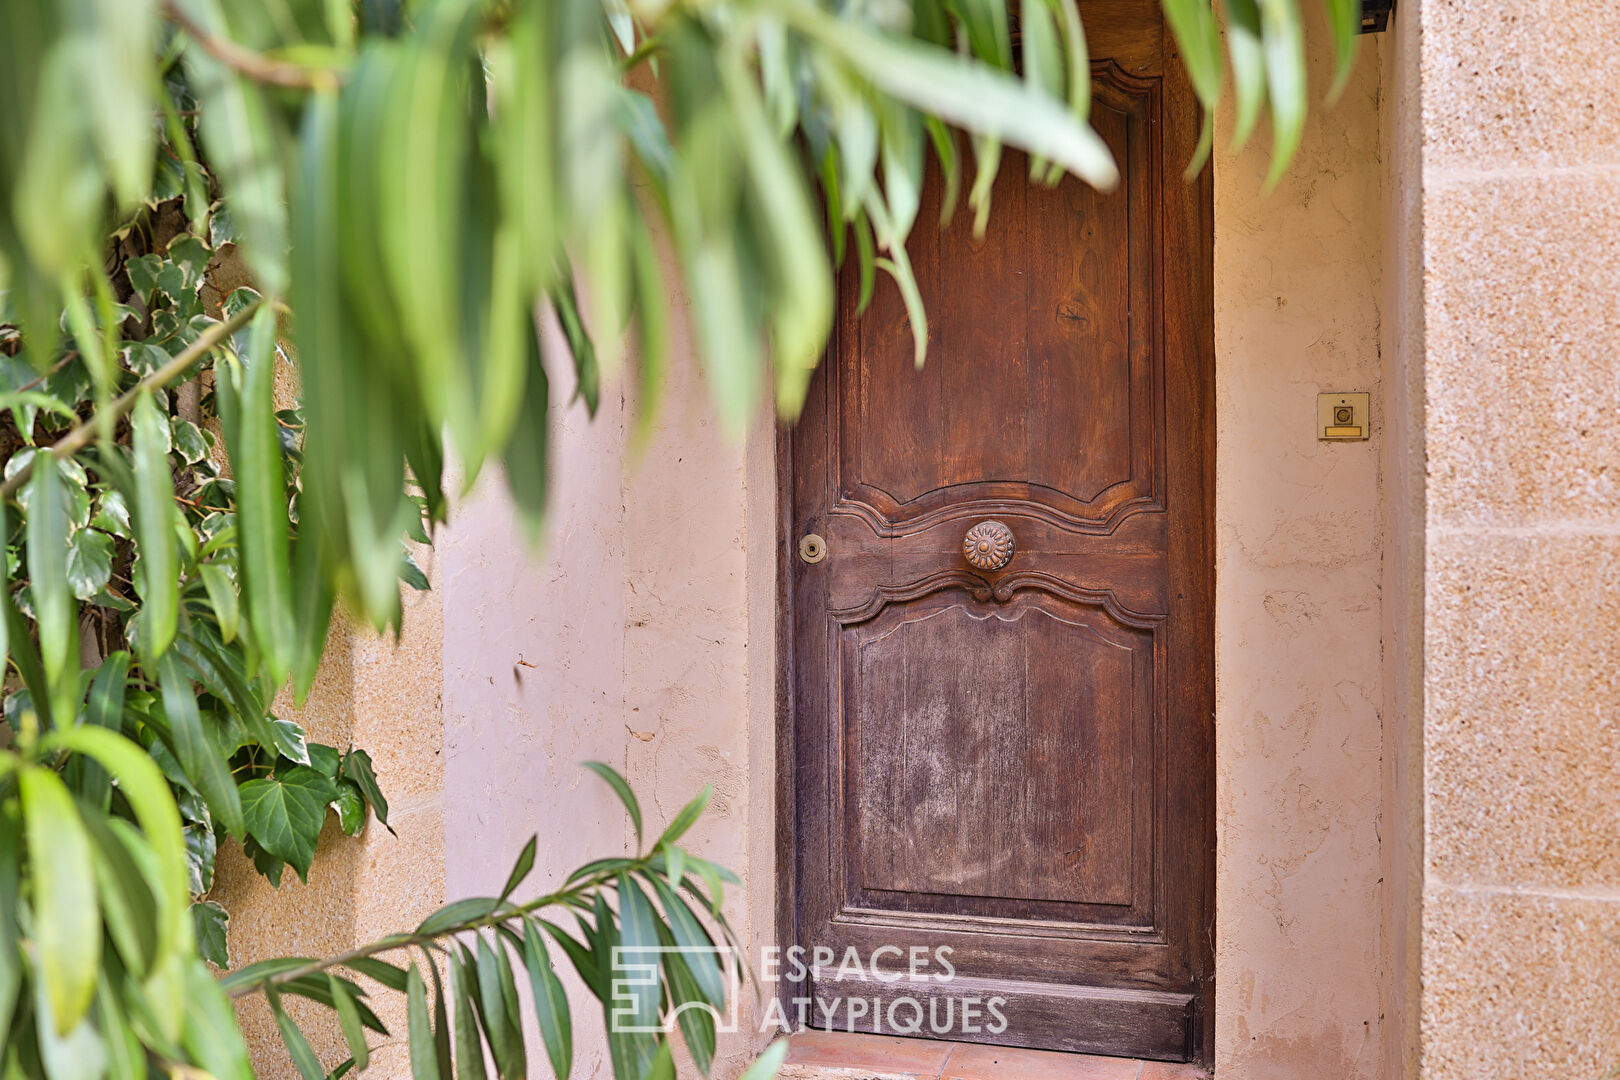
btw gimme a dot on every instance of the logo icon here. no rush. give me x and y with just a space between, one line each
636 972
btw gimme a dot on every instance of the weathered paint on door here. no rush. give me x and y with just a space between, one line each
1016 761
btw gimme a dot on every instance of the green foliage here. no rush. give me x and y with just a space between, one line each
415 178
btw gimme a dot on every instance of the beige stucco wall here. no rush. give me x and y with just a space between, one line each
1300 940
1520 139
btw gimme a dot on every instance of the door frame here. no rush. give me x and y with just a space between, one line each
1189 246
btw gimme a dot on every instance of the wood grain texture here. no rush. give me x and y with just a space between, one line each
1018 763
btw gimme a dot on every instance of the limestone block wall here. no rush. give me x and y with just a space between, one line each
1520 139
383 696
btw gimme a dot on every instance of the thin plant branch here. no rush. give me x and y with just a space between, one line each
505 913
254 65
82 434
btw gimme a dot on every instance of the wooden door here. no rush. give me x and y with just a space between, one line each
1016 761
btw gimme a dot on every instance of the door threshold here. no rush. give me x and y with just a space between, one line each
837 1055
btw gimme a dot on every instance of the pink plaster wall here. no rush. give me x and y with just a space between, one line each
649 620
1300 939
627 638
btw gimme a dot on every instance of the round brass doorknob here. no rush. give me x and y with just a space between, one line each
988 545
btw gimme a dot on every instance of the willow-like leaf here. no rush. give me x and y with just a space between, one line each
128 906
261 508
198 752
521 868
767 1064
54 609
801 278
622 789
972 96
424 1059
687 817
1248 66
497 1005
67 919
241 134
303 1055
1283 39
550 1002
1344 20
11 969
348 1015
154 529
638 957
469 1048
143 786
1198 39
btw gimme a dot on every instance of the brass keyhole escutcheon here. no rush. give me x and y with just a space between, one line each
988 545
812 548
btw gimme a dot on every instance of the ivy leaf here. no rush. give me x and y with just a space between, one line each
284 813
188 440
351 808
190 257
325 760
89 562
357 769
145 358
210 922
290 743
410 573
264 862
113 515
201 847
143 274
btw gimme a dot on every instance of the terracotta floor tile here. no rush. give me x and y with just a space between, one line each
975 1062
1161 1070
882 1053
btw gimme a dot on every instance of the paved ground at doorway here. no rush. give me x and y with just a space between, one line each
823 1055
